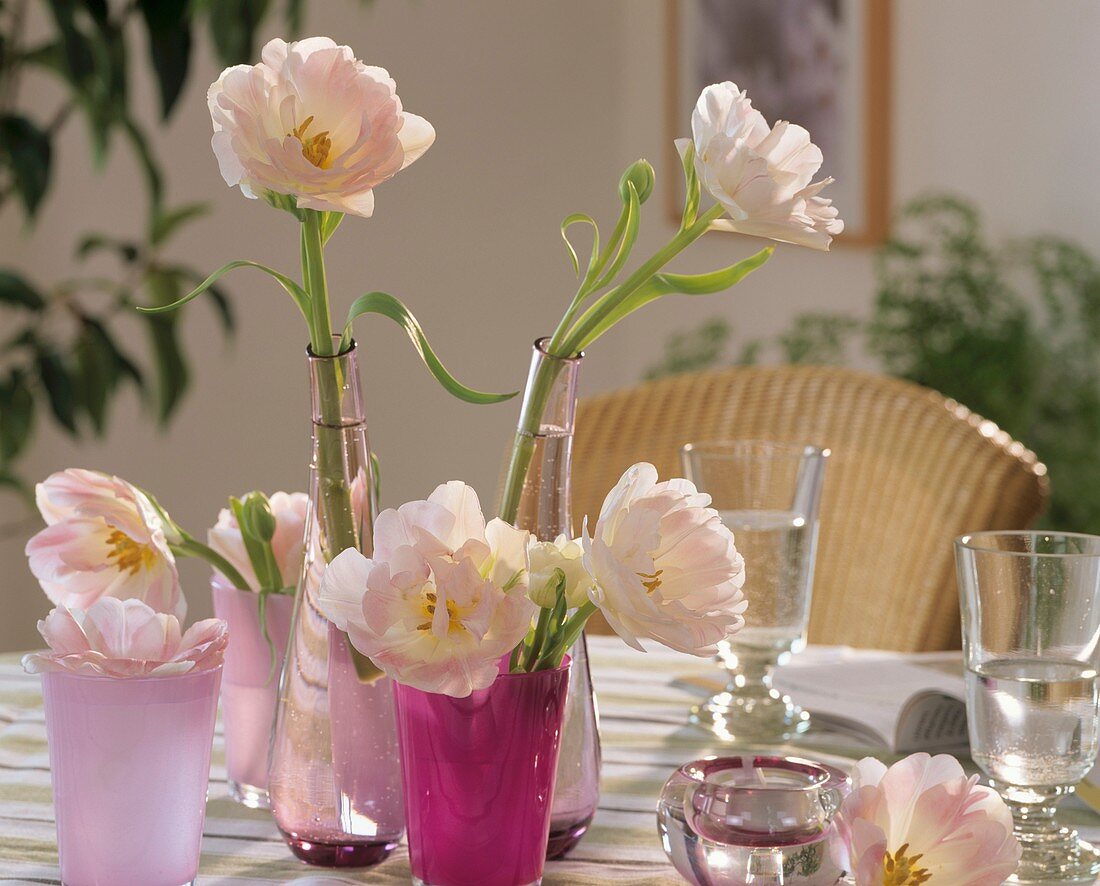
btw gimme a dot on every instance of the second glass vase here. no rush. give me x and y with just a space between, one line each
542 505
335 780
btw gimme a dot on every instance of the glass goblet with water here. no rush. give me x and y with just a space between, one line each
767 493
1031 628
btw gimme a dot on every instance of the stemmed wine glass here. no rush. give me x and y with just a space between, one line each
767 493
1031 629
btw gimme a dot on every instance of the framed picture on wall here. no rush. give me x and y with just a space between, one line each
824 64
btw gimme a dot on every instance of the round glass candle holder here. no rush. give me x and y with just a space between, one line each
760 820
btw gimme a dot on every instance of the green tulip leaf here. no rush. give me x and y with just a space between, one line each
575 219
691 188
632 218
301 299
678 284
330 221
385 304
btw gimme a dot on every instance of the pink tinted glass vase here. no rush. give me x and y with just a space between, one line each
335 778
479 776
250 684
541 503
130 764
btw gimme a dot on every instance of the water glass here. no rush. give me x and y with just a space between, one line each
1031 625
768 494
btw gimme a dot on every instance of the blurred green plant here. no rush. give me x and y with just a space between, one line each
60 347
1012 331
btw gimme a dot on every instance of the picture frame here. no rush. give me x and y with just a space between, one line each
840 53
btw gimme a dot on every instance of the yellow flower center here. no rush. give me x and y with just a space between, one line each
428 607
650 582
900 868
129 556
315 148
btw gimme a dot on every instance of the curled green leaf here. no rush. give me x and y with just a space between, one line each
385 304
632 219
301 298
691 183
581 218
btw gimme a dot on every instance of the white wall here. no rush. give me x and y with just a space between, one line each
538 107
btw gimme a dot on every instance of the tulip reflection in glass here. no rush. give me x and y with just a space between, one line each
768 495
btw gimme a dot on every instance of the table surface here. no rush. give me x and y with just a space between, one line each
643 701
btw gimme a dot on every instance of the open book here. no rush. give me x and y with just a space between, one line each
907 703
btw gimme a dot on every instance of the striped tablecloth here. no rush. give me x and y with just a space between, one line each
643 700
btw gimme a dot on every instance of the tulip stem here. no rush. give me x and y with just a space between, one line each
192 547
339 527
316 284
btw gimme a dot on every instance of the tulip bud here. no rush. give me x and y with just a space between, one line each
546 592
640 174
259 522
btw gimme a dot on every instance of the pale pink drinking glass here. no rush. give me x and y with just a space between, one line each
130 764
479 778
250 684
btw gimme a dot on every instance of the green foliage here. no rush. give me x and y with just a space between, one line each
26 152
1012 331
817 338
59 350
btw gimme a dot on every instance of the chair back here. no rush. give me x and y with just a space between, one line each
910 470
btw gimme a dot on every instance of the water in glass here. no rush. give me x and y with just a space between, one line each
767 493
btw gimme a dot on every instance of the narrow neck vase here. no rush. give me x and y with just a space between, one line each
335 779
536 497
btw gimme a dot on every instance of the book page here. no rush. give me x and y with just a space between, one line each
932 721
874 694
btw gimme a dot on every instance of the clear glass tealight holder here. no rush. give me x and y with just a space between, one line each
759 820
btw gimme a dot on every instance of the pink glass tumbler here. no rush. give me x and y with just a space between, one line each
250 686
130 763
479 778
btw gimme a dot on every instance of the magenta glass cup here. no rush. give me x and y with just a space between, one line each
130 763
250 685
479 778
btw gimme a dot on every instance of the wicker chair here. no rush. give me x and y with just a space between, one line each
910 470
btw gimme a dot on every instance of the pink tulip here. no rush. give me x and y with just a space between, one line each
922 820
125 638
762 176
288 543
443 597
313 122
664 565
103 538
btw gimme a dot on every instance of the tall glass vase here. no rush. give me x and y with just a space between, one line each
335 780
536 497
